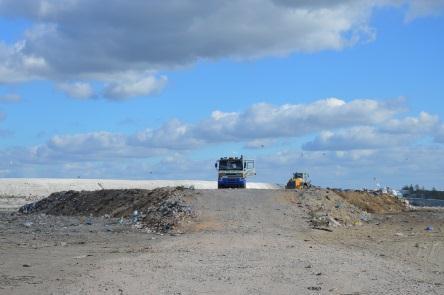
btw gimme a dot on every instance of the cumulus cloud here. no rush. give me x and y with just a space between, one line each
390 133
140 34
350 139
81 40
83 147
79 90
336 124
258 126
171 135
293 120
134 86
424 123
356 138
86 142
17 66
259 143
421 8
10 97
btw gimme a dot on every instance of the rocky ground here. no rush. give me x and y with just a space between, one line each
234 242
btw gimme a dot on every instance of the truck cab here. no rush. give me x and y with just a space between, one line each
233 172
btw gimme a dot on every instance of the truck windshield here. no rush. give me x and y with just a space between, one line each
230 165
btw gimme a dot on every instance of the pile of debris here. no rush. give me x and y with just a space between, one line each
328 207
374 201
159 210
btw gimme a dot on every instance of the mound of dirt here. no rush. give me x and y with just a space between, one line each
159 209
326 208
335 207
372 202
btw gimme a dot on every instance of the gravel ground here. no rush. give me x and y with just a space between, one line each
241 242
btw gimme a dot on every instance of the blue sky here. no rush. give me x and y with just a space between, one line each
349 92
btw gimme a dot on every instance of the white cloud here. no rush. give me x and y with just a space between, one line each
357 138
348 144
87 142
10 97
424 123
386 134
17 66
77 40
260 125
421 8
142 34
79 90
293 120
99 39
134 86
173 135
259 143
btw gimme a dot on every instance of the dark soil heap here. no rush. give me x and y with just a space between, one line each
159 209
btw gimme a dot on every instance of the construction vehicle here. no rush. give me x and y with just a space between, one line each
233 172
299 180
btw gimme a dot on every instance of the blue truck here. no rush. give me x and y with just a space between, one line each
233 172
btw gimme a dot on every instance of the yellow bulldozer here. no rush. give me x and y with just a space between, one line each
300 180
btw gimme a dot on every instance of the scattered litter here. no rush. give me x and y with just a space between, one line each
333 222
63 244
364 216
138 225
399 234
429 228
82 256
314 288
135 216
26 265
323 228
28 223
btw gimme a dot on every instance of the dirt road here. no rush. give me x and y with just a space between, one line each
242 242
